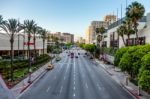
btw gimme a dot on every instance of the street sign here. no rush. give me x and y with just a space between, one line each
28 43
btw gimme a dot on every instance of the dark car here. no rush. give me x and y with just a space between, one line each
76 56
91 57
78 53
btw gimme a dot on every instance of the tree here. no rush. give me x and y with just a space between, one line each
135 12
122 30
144 75
35 31
11 27
128 23
99 38
99 32
1 20
29 25
43 34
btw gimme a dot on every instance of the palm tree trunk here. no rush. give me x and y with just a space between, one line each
12 57
135 29
43 45
123 40
34 46
29 59
24 45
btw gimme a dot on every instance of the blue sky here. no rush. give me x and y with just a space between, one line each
72 16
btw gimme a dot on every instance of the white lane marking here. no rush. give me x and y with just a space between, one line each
48 89
99 87
55 77
74 94
61 89
74 88
86 85
64 78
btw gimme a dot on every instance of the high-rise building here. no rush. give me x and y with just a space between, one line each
68 38
80 40
91 30
109 19
88 36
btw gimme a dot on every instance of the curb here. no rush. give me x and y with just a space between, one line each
39 76
133 94
104 69
122 85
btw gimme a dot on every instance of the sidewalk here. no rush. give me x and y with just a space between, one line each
23 85
120 78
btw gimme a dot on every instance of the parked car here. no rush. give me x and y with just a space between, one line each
72 55
76 57
49 67
58 58
91 57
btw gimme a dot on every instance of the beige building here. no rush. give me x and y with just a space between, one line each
87 36
109 19
68 38
80 40
91 34
20 45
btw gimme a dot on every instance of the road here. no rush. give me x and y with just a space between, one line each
77 78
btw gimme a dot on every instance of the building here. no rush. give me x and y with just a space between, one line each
80 40
109 19
87 36
20 45
58 35
114 40
68 38
91 34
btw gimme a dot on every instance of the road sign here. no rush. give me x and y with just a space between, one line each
28 43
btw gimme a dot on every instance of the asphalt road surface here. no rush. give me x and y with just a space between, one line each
76 78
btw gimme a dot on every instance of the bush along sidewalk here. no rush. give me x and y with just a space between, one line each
136 61
20 68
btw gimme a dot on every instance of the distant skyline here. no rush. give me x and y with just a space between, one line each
72 16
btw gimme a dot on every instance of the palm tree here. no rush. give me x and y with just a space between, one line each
29 25
100 32
99 38
11 27
128 23
35 31
1 20
135 11
122 30
43 34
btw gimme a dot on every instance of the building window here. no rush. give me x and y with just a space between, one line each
104 44
134 41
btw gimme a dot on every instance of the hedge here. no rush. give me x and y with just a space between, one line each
118 55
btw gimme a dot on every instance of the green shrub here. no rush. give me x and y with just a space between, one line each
110 51
118 55
144 74
127 60
131 60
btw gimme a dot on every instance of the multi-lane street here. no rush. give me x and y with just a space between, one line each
76 78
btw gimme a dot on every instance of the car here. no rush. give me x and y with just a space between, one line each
49 67
58 58
78 53
91 57
76 56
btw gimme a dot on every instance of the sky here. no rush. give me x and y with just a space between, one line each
71 16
